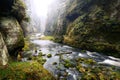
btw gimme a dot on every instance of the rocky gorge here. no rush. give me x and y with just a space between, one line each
87 24
12 13
80 42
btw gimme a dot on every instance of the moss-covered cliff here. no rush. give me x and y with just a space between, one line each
12 13
12 35
91 24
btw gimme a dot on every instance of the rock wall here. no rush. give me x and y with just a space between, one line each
90 24
12 34
12 14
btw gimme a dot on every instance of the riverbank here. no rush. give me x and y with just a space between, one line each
45 58
70 63
24 71
27 67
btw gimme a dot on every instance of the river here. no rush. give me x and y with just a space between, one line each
70 53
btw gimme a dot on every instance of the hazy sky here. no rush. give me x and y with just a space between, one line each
41 6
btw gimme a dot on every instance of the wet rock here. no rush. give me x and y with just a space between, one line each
43 54
70 77
54 63
65 74
49 55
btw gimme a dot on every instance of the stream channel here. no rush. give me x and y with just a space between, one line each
61 51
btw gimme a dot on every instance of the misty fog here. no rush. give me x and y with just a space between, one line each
39 12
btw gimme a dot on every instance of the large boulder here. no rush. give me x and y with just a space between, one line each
12 35
3 52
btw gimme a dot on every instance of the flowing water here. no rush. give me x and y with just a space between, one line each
59 50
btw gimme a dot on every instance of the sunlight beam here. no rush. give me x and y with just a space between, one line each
41 7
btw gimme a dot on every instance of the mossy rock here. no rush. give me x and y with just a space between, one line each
68 64
83 51
44 60
12 34
54 63
49 55
40 54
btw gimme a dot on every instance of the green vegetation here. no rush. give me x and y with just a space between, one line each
89 25
58 39
86 61
99 72
24 71
39 59
48 38
96 71
41 54
32 70
27 45
67 63
49 55
90 70
83 51
94 34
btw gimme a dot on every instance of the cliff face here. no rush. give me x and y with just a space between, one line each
91 24
56 19
34 21
12 35
12 13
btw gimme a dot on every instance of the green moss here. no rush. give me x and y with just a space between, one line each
40 54
25 71
39 59
86 61
96 71
48 38
67 63
83 51
26 46
49 55
58 39
90 61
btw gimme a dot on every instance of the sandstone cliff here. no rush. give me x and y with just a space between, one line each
90 24
12 13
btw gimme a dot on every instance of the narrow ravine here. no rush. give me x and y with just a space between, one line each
60 52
